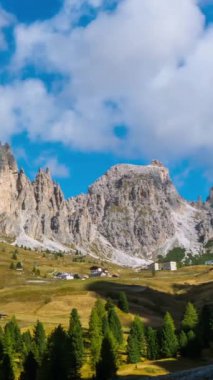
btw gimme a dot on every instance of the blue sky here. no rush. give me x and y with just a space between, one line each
86 85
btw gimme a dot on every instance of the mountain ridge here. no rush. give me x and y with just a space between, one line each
130 214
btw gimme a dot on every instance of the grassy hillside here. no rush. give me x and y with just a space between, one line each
32 297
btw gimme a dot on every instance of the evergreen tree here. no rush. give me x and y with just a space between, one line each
30 367
106 368
6 368
133 351
39 340
138 327
96 335
76 345
190 319
109 305
56 362
105 325
100 307
13 337
123 302
169 341
152 344
136 346
115 325
27 342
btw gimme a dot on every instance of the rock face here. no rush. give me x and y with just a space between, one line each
131 214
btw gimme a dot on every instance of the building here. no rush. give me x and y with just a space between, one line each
170 265
154 266
98 272
64 276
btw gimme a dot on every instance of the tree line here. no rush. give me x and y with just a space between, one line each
61 355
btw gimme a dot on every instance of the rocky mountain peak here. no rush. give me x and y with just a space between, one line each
131 213
7 160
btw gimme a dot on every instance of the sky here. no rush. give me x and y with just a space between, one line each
87 84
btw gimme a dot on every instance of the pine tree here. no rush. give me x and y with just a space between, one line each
106 368
138 327
76 345
136 346
30 367
115 325
39 340
56 362
6 368
105 325
123 302
169 341
190 319
27 342
152 344
133 350
13 337
96 335
109 305
100 307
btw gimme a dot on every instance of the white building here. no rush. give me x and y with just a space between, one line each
154 266
170 265
64 276
98 272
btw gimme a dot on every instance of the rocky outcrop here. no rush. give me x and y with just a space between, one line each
131 214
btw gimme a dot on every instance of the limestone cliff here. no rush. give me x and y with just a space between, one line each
131 213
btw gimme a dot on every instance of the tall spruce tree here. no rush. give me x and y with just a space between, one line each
115 325
39 340
96 335
27 342
136 346
152 344
190 319
56 362
123 302
169 341
76 345
133 349
30 367
106 368
13 337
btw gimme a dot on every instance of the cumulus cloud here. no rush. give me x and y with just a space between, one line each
148 65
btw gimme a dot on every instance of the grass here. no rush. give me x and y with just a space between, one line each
52 300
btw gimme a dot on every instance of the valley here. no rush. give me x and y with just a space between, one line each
31 297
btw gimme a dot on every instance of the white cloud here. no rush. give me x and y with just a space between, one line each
153 59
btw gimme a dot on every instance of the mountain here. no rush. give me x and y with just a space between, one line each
130 215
